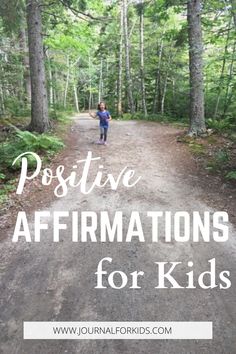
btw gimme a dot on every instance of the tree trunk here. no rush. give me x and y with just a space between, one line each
90 85
25 62
127 58
119 84
144 107
100 88
39 103
51 95
67 81
197 116
222 73
173 96
2 105
76 97
233 4
55 89
228 97
165 84
157 94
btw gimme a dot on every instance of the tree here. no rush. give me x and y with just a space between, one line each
228 94
157 89
119 83
141 49
126 71
127 57
220 86
233 4
25 62
39 103
197 116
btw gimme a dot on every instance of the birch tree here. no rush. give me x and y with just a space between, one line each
141 48
127 57
119 83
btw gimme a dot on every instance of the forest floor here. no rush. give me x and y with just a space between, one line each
49 281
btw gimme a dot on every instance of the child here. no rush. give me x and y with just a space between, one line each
104 118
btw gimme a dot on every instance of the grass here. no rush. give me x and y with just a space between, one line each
197 149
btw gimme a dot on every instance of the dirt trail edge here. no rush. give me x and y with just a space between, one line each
55 281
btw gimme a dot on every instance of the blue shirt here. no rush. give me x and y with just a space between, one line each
103 118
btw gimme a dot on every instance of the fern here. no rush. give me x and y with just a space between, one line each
220 125
231 175
24 141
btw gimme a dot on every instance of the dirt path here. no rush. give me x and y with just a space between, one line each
48 281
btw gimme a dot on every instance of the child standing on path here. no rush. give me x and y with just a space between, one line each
104 117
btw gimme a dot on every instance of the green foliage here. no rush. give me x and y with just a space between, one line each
222 156
11 13
219 161
14 108
197 148
127 116
3 196
220 125
24 141
151 117
231 175
74 39
5 189
232 136
61 116
181 37
82 51
82 5
138 116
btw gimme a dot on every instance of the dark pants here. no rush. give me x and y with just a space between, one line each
103 131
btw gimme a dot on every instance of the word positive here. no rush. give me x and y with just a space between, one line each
79 176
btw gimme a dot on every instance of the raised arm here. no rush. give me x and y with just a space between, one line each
93 115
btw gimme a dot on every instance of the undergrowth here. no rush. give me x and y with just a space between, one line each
18 143
231 175
165 118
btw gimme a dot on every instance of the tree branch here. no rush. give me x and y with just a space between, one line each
77 12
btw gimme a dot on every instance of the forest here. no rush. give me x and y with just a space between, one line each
157 60
134 54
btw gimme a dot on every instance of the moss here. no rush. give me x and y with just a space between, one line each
197 148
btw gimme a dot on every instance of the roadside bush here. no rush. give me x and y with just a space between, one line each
231 175
153 117
14 108
126 116
220 125
219 161
23 141
60 116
